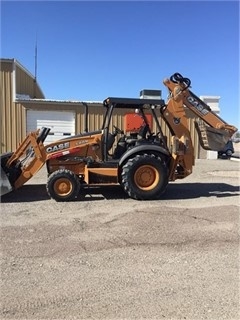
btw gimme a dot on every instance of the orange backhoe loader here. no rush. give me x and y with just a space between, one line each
142 161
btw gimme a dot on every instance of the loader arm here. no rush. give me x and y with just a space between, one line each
31 155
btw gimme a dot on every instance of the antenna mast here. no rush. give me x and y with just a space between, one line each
35 71
36 59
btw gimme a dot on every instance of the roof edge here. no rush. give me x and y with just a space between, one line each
15 62
57 101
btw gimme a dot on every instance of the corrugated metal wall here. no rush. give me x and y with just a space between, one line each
6 110
25 83
14 79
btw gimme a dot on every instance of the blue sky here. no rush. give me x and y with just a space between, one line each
89 50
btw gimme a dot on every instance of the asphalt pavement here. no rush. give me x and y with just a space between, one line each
106 256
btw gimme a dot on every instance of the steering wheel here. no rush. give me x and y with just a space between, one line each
117 130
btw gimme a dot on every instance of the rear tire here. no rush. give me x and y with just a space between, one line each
63 185
145 177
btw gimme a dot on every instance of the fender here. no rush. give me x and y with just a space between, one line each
141 148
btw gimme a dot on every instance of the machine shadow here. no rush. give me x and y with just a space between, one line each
27 193
184 191
179 191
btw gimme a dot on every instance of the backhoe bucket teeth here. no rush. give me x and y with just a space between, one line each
5 186
211 138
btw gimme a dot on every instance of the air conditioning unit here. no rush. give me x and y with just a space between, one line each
150 94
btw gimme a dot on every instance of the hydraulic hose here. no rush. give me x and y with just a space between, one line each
178 78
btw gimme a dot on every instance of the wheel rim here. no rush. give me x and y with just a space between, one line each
146 177
63 187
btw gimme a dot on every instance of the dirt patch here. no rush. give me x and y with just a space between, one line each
106 256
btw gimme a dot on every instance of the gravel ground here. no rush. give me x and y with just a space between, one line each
105 256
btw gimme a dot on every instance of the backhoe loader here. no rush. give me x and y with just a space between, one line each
142 161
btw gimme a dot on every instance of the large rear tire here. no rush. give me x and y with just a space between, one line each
144 177
63 185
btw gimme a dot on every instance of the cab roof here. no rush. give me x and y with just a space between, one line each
132 102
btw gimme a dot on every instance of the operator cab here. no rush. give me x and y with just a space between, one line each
138 115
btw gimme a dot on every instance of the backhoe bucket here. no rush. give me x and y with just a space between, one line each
211 138
5 186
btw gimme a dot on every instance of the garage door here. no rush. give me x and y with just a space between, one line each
61 123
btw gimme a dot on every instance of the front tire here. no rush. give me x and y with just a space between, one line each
63 185
144 177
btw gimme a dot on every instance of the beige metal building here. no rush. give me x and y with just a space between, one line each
24 109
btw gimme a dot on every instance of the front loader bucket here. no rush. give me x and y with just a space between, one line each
211 138
5 186
19 166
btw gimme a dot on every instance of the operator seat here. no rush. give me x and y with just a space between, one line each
140 136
